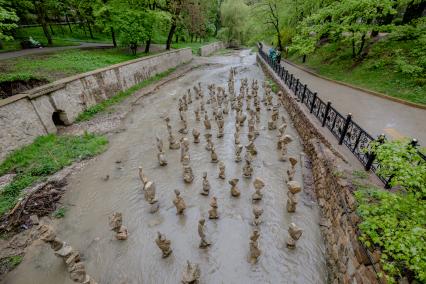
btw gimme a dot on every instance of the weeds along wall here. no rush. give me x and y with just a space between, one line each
37 111
210 48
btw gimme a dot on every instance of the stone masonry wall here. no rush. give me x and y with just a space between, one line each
210 48
347 261
28 115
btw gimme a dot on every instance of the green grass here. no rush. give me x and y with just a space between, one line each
45 156
62 64
11 262
195 46
378 71
105 105
60 212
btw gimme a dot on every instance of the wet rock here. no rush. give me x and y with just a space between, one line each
257 215
248 168
234 190
258 185
293 188
184 149
238 150
255 252
222 170
188 175
46 233
65 251
56 244
191 274
204 243
78 272
164 244
196 135
154 207
291 172
209 144
251 148
149 192
294 234
213 155
207 123
34 219
116 221
213 211
206 185
122 234
179 203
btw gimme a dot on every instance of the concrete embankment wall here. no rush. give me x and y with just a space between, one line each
28 115
347 261
210 48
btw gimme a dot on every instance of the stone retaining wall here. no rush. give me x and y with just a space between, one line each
28 115
210 48
347 261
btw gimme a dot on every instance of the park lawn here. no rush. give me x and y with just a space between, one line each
61 64
377 72
45 156
195 46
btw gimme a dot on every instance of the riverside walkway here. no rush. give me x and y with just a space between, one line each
375 114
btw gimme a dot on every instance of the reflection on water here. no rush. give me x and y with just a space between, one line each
138 260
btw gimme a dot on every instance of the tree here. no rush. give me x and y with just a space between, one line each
269 11
234 15
8 19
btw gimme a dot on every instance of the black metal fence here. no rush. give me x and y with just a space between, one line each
346 131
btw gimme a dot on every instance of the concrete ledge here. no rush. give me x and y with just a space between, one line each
374 93
28 115
206 50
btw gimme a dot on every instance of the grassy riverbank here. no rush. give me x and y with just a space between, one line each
45 156
391 67
61 64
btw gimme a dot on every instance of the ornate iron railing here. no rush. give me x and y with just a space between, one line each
346 131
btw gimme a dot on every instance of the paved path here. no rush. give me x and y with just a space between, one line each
14 54
375 114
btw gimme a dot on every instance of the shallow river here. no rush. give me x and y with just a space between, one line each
90 200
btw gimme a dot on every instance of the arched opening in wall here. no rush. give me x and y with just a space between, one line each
58 117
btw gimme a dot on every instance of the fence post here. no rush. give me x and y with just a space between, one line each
291 81
304 92
327 110
295 89
371 155
345 128
313 102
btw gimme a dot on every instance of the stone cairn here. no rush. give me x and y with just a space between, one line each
76 268
294 234
191 273
161 156
204 243
164 245
116 225
248 168
173 142
293 189
258 185
234 190
179 203
222 170
291 172
255 251
148 187
257 215
196 135
188 175
213 211
238 150
283 141
213 155
206 185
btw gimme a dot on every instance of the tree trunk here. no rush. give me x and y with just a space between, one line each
280 44
170 36
84 29
60 25
51 29
42 20
114 42
304 58
353 45
177 38
68 22
413 11
148 45
362 44
90 30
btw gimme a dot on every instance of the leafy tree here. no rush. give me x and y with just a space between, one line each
234 15
8 19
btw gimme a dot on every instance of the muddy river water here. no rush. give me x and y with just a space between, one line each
91 200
